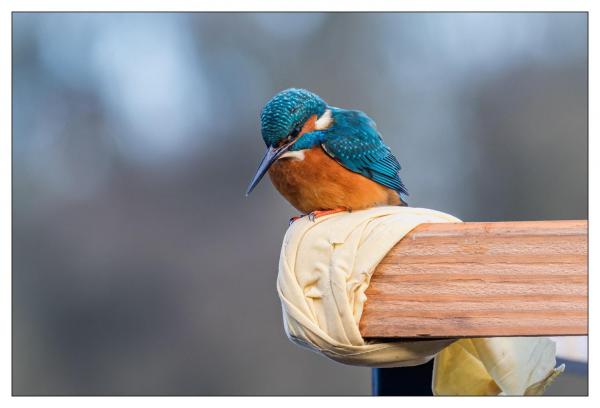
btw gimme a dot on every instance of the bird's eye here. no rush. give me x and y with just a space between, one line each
290 137
295 132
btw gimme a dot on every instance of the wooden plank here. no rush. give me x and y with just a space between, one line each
482 279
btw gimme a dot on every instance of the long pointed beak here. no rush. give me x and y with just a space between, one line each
271 155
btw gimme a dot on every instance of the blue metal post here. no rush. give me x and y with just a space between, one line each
403 381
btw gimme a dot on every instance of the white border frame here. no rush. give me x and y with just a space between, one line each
8 6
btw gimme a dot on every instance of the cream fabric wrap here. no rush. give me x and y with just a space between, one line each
325 268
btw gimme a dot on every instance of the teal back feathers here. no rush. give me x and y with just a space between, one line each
354 142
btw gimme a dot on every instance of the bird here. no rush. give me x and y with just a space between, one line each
325 159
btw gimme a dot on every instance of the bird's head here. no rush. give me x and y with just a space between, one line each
287 122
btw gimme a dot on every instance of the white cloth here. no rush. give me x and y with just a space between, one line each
324 269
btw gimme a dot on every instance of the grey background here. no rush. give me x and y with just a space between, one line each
139 267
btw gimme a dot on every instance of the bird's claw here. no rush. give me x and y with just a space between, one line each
297 217
312 216
321 213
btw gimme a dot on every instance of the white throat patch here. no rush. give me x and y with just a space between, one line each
296 155
324 121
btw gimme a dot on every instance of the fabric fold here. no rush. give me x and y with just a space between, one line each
324 270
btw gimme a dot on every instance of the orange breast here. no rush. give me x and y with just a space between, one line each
320 183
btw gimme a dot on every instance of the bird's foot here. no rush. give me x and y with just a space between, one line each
321 213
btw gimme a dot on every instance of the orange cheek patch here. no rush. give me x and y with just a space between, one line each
309 125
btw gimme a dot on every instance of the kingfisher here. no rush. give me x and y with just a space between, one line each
324 159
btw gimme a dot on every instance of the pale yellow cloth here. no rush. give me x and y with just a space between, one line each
324 269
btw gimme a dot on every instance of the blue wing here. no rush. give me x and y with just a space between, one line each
354 142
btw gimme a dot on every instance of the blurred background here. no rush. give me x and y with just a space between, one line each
139 267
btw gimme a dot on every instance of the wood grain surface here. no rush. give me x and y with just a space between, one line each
482 279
